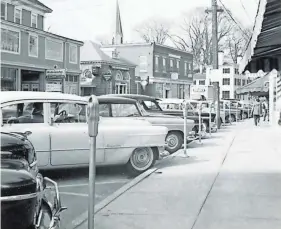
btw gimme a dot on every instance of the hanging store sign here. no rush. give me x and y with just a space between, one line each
55 74
107 75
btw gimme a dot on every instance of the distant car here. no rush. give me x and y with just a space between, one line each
113 106
60 132
152 106
24 203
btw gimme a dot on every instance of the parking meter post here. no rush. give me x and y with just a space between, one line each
200 121
229 113
210 119
93 123
236 112
185 129
224 113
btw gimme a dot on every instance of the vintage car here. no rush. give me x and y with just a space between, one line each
60 132
24 192
113 106
151 105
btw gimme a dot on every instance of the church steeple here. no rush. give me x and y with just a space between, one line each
118 34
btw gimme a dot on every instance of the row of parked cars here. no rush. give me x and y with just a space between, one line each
47 130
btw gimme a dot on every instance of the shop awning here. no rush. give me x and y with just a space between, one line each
258 86
265 42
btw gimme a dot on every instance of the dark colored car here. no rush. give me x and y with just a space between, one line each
24 202
151 105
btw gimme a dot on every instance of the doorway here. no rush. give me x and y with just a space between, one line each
30 80
167 93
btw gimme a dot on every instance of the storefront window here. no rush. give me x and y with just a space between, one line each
8 79
159 90
54 50
10 41
71 84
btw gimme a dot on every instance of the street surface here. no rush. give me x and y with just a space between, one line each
73 186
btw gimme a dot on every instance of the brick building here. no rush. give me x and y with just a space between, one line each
167 70
105 74
33 59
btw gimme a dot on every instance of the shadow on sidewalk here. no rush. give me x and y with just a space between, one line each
178 160
195 145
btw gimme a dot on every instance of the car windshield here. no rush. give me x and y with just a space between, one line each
150 106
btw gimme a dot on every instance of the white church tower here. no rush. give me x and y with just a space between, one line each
118 34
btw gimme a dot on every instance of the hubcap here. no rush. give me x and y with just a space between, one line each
142 158
172 141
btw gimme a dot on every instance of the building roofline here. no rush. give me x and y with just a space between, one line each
41 6
127 44
107 62
41 32
170 47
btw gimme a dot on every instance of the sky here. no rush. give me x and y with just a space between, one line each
94 19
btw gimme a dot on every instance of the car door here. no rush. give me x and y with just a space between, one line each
21 116
69 135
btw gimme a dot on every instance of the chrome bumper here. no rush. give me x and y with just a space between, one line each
50 205
191 136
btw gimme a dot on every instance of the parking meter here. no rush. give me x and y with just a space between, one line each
93 123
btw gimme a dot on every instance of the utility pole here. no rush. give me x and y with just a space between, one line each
216 85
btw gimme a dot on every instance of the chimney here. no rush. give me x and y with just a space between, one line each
239 58
221 58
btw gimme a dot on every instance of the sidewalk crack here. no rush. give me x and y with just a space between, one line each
213 183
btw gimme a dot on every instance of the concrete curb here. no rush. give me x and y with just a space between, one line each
98 207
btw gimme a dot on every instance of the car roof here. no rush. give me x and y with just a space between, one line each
176 101
10 96
134 96
115 99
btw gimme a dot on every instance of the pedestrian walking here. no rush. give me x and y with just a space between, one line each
256 111
265 110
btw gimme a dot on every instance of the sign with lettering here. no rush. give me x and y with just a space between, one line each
55 73
53 87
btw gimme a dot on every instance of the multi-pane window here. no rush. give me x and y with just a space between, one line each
33 45
236 71
73 54
243 82
201 82
143 63
225 81
17 16
3 11
164 64
185 68
54 50
178 64
10 41
225 94
156 63
34 20
226 70
171 64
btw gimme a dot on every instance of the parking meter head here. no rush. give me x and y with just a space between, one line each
93 116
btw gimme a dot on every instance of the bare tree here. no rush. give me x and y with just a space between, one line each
236 42
197 35
154 30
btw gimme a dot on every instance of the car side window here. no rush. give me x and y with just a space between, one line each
124 110
23 113
68 112
104 110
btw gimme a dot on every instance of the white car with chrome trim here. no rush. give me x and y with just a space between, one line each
59 129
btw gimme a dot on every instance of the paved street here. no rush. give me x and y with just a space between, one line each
73 186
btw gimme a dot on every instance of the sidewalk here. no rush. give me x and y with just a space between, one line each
231 181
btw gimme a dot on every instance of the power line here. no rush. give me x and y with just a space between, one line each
243 6
232 18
